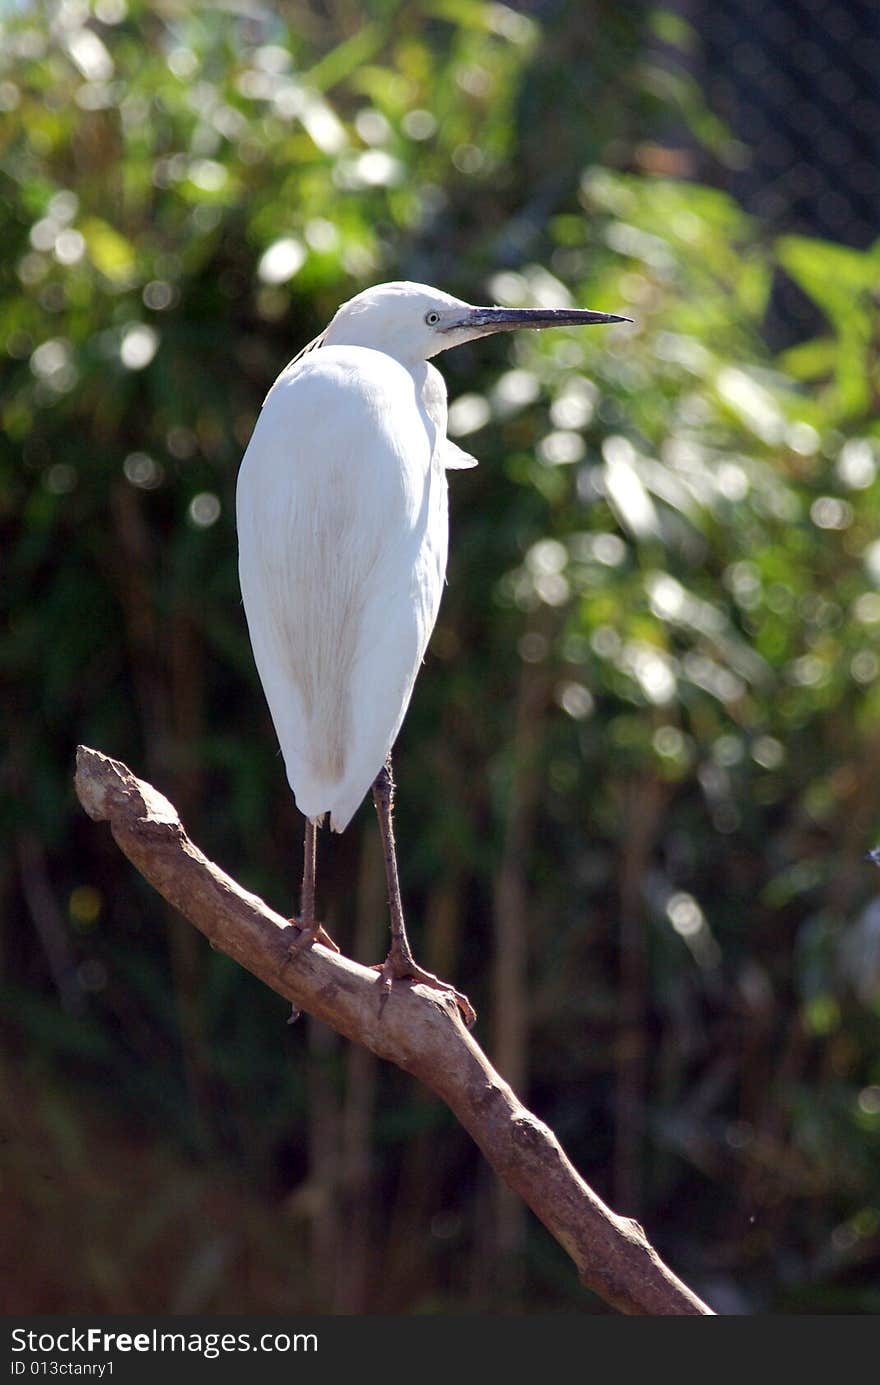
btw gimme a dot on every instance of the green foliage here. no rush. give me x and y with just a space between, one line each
653 685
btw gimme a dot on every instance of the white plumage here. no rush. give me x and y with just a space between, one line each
342 518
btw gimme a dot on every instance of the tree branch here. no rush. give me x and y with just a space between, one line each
417 1028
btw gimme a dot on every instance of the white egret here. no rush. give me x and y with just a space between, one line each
342 530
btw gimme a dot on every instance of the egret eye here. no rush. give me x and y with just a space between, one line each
432 319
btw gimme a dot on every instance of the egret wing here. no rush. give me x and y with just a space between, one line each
455 458
433 393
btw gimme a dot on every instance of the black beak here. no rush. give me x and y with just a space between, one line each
485 320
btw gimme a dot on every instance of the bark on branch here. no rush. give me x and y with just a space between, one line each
418 1029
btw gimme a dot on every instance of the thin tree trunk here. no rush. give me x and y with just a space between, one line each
510 1028
324 1129
352 1289
645 802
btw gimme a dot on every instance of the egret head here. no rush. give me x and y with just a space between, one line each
413 322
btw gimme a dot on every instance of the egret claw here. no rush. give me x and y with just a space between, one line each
316 934
396 969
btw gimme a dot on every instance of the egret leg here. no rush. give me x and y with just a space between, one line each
307 898
310 931
400 964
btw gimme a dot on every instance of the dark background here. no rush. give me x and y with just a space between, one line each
641 769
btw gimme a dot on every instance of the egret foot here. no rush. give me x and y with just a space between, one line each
310 930
317 933
400 966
